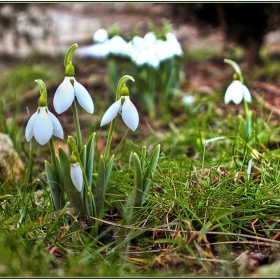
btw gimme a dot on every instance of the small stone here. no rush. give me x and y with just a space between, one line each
11 166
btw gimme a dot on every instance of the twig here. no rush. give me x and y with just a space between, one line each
187 231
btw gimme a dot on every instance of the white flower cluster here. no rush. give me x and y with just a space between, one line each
147 50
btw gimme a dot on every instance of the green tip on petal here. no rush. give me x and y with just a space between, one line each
42 101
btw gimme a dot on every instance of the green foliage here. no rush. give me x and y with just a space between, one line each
174 186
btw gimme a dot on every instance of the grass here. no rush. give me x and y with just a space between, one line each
200 202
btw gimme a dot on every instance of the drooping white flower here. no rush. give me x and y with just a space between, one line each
100 36
138 42
98 50
42 125
150 38
76 175
174 44
149 57
66 92
128 111
236 91
164 51
118 46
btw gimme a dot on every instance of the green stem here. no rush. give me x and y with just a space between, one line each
109 141
53 154
30 163
77 125
248 119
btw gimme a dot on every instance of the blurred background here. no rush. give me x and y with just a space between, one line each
36 36
50 28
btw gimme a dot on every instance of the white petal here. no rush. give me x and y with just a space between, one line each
83 97
234 92
138 42
76 176
118 46
247 94
43 127
64 96
100 36
111 113
174 44
130 114
29 127
98 50
150 38
57 128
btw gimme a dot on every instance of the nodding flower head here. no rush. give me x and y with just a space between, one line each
43 123
70 88
125 107
67 91
76 173
236 91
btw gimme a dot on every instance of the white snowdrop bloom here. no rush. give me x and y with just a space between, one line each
118 46
138 42
163 50
188 100
148 57
236 91
100 36
174 44
76 175
150 38
99 50
128 111
42 125
66 92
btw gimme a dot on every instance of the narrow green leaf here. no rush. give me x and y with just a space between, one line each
54 185
90 158
143 157
83 156
204 230
100 185
108 172
59 172
138 190
152 165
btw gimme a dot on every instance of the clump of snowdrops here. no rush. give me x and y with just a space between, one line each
77 179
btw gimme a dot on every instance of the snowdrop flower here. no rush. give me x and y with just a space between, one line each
150 38
188 100
100 36
70 88
99 50
149 57
76 173
118 46
236 91
67 91
42 125
126 108
138 42
164 51
174 44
